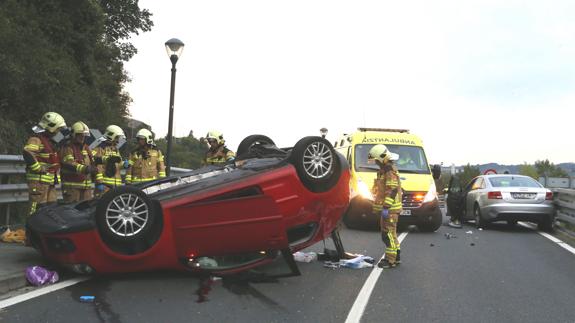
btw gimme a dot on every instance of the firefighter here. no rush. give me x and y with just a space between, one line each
42 162
109 160
78 167
387 204
146 162
218 153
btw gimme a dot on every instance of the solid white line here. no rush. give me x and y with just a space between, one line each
41 291
360 303
561 243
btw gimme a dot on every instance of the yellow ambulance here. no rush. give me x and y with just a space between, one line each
420 202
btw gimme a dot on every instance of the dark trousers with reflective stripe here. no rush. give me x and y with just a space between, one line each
389 235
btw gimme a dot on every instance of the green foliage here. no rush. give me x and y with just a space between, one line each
65 56
529 170
469 172
187 152
547 169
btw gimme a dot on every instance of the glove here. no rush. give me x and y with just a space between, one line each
90 169
126 164
100 187
385 213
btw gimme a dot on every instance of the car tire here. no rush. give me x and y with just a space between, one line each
249 142
349 222
433 224
125 214
480 223
317 163
546 225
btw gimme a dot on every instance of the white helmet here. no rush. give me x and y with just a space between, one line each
52 121
216 135
113 132
80 128
146 134
382 154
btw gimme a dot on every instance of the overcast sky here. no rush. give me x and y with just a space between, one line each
478 81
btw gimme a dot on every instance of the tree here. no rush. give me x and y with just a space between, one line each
71 62
469 173
528 170
187 152
547 169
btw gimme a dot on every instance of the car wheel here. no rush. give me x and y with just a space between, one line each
433 224
479 222
249 142
547 224
316 162
125 214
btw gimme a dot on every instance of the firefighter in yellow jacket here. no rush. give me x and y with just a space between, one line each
42 162
78 167
146 162
387 204
218 153
109 160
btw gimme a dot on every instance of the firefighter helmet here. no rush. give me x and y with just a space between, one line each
146 134
382 154
113 132
216 135
52 121
80 128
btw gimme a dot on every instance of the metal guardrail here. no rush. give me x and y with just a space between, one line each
18 192
565 202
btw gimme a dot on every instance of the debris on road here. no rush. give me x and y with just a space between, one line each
431 245
87 299
304 256
472 244
39 276
17 236
449 236
358 262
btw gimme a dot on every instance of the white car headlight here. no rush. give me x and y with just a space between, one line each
364 191
431 194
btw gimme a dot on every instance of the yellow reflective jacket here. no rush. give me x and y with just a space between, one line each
46 166
219 156
145 165
387 190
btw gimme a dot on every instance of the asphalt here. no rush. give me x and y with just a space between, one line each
500 274
14 259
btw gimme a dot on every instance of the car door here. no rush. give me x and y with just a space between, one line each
467 195
473 192
242 221
454 199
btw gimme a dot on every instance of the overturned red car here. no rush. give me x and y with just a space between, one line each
217 219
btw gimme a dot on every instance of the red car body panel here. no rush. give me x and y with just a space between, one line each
202 224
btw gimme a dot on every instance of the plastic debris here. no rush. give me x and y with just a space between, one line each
480 229
87 299
304 256
331 264
39 276
449 236
360 261
18 236
469 232
431 245
472 244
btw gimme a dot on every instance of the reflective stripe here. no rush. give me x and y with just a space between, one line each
138 180
80 168
162 174
32 147
35 167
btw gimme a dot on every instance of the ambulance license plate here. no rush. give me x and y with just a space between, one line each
405 212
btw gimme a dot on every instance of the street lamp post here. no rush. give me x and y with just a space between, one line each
174 48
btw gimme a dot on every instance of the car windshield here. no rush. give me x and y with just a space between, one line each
411 159
513 181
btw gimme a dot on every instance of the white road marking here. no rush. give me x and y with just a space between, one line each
360 303
41 291
561 243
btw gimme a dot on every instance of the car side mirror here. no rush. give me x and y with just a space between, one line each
436 171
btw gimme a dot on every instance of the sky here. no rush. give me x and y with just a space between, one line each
478 81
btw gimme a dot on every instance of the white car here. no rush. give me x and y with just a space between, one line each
511 198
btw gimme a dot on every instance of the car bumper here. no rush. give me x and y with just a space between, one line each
360 212
518 212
